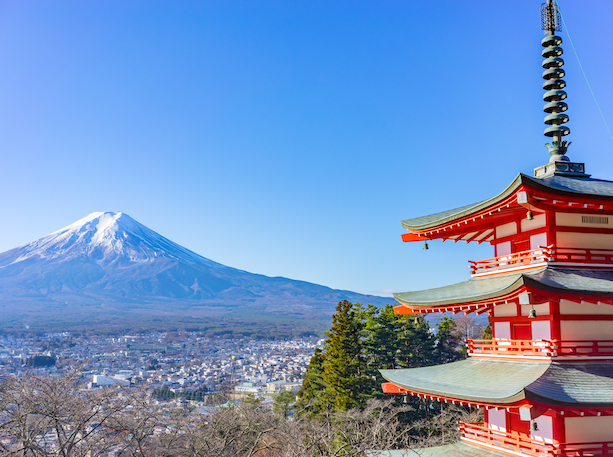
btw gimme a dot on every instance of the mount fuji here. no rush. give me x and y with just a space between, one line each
107 267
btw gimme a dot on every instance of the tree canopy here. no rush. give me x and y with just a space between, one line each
361 341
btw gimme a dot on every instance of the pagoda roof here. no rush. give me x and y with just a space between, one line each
578 187
584 282
572 186
459 449
507 382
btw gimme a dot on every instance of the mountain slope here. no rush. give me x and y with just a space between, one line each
108 264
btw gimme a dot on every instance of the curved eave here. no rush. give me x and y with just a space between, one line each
531 396
571 281
574 187
434 220
559 281
493 382
473 380
473 290
571 187
588 385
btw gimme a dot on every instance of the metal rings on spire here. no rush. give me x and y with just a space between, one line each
554 85
554 97
553 74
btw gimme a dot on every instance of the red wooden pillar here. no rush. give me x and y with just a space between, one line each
554 319
550 220
559 431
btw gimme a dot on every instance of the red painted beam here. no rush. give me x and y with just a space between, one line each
389 388
407 237
406 310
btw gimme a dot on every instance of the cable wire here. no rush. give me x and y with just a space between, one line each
583 71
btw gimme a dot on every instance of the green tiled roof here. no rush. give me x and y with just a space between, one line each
504 381
585 384
569 280
435 219
459 449
563 185
471 290
473 379
573 185
565 280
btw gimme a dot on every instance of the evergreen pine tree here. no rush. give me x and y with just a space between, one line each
381 338
415 342
282 405
448 341
487 332
310 396
344 374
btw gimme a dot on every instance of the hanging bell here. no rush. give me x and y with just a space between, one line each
532 313
534 427
529 216
404 399
426 245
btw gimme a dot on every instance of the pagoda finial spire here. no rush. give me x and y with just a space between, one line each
553 74
555 107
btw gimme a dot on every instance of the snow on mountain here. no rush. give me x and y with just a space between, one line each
108 263
107 237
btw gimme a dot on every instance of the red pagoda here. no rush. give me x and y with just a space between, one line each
545 379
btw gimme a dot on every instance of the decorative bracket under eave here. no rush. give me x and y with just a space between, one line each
407 237
401 309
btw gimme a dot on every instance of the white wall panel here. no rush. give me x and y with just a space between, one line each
506 229
584 240
569 307
541 330
497 419
538 222
502 330
541 310
503 248
545 429
584 220
586 330
508 309
538 240
588 429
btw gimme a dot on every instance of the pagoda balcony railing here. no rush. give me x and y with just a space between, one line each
525 445
540 256
540 348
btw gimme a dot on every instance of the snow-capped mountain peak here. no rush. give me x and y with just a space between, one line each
107 237
107 267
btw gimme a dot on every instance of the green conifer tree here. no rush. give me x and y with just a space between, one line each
310 396
415 342
283 403
448 341
344 374
381 338
487 332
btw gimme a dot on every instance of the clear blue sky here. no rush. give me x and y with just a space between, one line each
287 138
